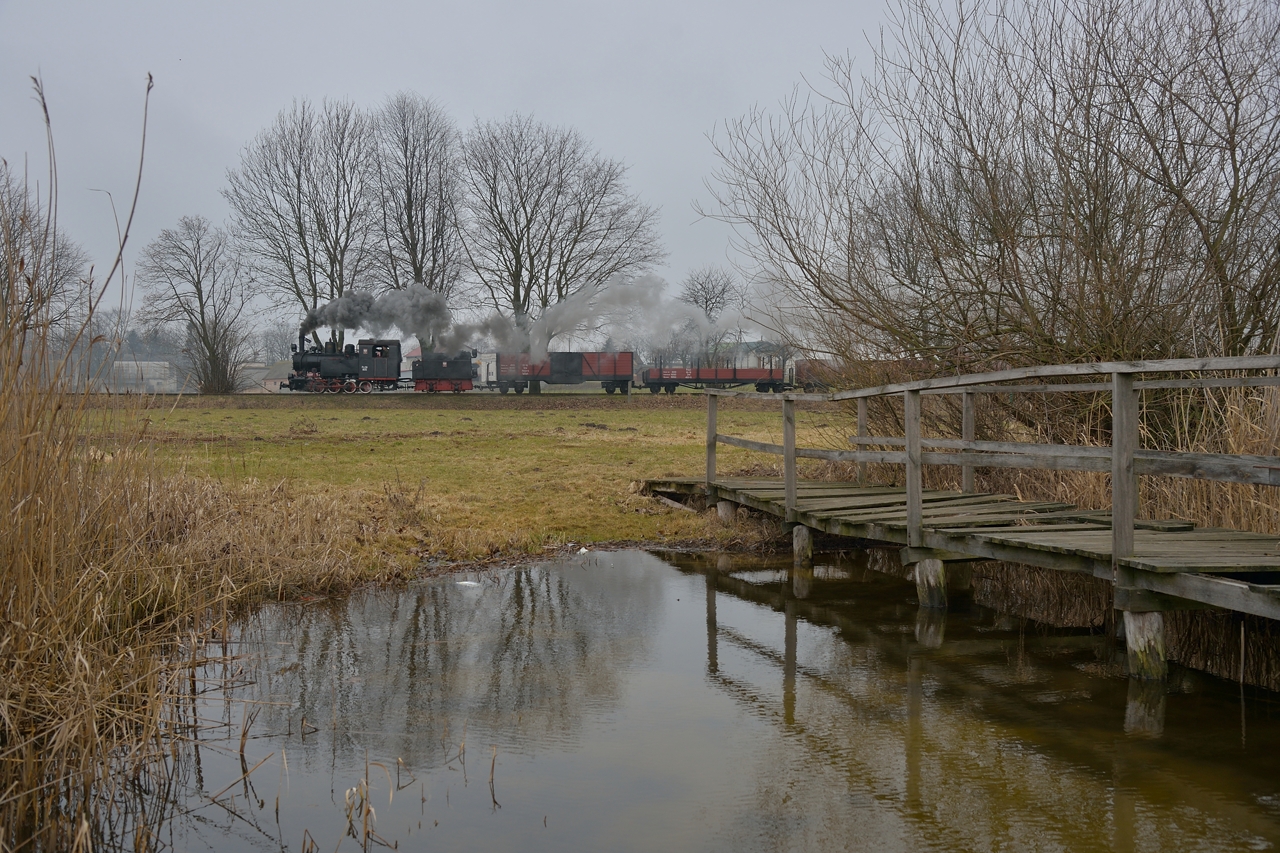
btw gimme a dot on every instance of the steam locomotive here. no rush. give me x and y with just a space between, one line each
374 365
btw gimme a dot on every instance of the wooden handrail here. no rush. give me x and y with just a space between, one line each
1097 368
1124 460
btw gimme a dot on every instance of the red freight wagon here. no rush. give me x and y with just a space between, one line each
667 378
505 372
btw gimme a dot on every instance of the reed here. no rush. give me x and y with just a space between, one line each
112 574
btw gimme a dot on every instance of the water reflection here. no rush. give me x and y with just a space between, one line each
624 703
530 651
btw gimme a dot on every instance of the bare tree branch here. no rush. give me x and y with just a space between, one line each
193 276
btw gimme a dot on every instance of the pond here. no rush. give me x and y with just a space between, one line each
618 701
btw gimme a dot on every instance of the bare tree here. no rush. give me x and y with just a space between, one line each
712 290
45 277
193 276
301 200
548 216
1054 180
419 195
272 342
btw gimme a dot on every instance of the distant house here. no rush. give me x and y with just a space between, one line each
260 378
126 376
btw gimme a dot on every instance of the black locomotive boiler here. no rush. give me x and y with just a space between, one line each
369 365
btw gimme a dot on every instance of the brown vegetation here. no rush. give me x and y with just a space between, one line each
113 574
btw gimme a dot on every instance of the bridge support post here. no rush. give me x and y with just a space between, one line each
915 476
862 433
931 627
726 511
1144 709
712 401
931 583
802 545
789 454
1144 643
968 431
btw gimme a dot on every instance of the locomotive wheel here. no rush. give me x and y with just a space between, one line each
349 386
609 389
366 387
502 388
654 389
671 389
519 389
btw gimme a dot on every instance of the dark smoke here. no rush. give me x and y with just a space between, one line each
414 311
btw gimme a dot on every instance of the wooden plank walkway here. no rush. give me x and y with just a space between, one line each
1196 566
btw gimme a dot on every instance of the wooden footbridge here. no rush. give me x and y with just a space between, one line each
1155 565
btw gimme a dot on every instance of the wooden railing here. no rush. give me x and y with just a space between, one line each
1124 459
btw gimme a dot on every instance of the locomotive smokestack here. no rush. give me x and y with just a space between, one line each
302 341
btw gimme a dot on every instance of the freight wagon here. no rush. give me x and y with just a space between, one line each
503 372
669 378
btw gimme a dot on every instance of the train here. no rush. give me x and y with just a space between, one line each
667 379
375 365
503 372
805 374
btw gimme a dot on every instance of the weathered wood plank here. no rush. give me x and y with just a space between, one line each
947 510
1103 387
977 527
1046 371
1173 564
1240 596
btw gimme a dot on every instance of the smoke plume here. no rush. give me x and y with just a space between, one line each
414 310
639 304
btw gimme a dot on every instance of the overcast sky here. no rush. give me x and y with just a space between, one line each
645 82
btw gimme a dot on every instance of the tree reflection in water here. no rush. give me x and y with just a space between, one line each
527 651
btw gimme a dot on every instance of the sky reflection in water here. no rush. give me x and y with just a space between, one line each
626 703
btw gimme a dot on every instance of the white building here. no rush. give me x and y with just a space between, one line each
141 377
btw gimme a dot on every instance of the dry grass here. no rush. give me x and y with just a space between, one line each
472 477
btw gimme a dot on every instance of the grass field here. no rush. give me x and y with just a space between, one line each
468 477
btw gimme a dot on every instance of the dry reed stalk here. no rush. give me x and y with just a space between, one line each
112 578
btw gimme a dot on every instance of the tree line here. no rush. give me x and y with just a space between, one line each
512 215
1023 182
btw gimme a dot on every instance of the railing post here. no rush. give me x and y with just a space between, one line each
968 432
862 433
1124 482
712 402
915 479
789 453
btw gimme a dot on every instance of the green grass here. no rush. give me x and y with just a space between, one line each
469 476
